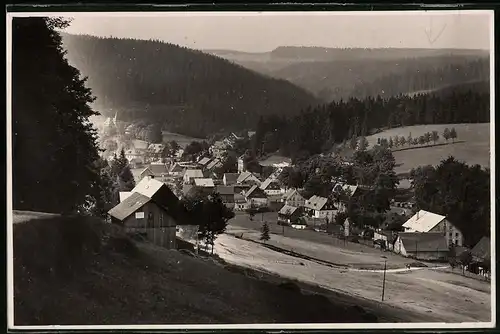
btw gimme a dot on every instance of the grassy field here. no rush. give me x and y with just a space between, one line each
182 140
475 148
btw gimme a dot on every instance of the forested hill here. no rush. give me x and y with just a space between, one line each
188 91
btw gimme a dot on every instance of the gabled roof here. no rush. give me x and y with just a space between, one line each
423 242
157 169
194 173
176 168
482 249
213 164
291 192
148 187
287 210
264 185
204 182
203 161
231 177
245 176
255 191
316 202
124 194
348 189
131 204
423 221
224 190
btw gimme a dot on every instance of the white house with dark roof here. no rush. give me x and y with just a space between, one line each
428 222
256 196
422 246
292 197
248 178
214 164
321 207
155 170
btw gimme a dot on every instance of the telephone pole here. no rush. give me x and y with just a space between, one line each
383 284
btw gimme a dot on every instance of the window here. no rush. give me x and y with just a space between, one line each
139 215
150 220
456 235
451 234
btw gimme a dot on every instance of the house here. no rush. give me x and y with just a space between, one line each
271 187
321 207
191 174
386 238
240 203
155 151
151 208
134 155
219 148
241 164
177 170
343 192
276 161
256 197
289 214
204 182
422 246
293 198
216 163
227 195
315 223
155 170
229 179
250 134
248 178
481 257
203 162
428 222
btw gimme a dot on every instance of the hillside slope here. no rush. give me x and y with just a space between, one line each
97 277
334 74
191 92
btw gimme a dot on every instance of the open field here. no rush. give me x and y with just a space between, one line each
474 150
182 140
433 296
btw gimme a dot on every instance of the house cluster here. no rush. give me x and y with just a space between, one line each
219 148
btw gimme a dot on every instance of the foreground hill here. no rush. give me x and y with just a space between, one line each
191 92
472 145
333 74
98 277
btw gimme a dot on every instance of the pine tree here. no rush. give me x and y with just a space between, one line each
396 141
446 134
391 143
409 139
453 134
402 141
54 144
264 234
435 137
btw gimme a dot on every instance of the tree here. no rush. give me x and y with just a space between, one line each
446 134
363 144
435 137
391 143
427 137
384 142
153 134
353 142
453 134
421 140
120 170
409 139
465 259
264 235
402 141
50 123
396 141
103 196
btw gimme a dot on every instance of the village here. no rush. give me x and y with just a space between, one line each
423 235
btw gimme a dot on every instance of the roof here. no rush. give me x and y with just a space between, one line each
267 183
255 190
276 160
194 173
148 187
131 204
287 210
246 175
124 194
213 164
316 202
203 161
482 249
176 168
140 144
224 190
231 177
423 242
239 198
291 192
349 189
423 221
200 182
157 169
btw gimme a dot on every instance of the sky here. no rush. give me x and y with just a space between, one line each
261 32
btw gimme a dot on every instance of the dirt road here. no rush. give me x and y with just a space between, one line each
439 295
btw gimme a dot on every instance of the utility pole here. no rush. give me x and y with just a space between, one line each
383 284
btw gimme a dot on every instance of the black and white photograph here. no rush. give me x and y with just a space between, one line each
265 170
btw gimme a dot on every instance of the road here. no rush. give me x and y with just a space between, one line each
434 295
